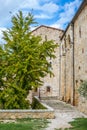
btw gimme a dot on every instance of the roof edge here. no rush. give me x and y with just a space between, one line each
47 27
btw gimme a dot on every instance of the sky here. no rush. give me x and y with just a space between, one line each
54 13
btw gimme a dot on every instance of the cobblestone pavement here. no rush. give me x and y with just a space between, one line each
64 113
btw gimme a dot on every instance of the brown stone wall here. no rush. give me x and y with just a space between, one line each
74 60
82 105
67 66
18 114
47 113
80 36
48 33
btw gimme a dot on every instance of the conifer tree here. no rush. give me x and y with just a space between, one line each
26 61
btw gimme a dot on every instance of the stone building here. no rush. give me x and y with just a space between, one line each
70 65
73 58
66 66
50 87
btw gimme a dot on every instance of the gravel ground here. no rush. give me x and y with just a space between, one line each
64 113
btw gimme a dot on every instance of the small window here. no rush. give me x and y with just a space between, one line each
48 88
79 67
80 32
81 80
82 50
76 82
45 37
68 40
35 89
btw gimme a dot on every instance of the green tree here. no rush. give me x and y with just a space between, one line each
83 89
1 66
26 61
3 57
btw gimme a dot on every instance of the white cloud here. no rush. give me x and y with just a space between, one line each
50 8
46 10
30 4
66 15
35 4
43 16
55 25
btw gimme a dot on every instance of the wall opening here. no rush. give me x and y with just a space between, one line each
80 32
48 89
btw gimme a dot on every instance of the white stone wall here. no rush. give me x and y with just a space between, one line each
53 82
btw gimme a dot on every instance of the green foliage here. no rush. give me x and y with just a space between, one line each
25 124
83 89
13 97
37 105
2 63
79 124
23 62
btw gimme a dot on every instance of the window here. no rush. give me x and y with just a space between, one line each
82 50
81 80
45 37
80 32
79 67
35 89
48 88
68 40
76 82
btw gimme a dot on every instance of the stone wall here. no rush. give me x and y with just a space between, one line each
82 105
80 46
74 57
50 87
70 66
18 114
66 86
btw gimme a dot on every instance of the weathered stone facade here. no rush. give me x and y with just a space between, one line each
80 47
66 59
82 105
74 58
52 83
70 66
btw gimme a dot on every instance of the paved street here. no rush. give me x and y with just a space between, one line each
64 113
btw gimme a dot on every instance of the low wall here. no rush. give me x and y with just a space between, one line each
82 106
41 113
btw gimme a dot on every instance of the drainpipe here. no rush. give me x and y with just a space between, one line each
72 24
65 64
60 71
